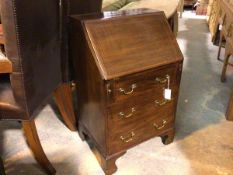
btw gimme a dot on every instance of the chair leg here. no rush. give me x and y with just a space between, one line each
63 98
223 76
2 170
220 46
33 140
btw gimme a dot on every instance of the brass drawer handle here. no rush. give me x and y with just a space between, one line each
133 86
160 127
162 103
128 139
122 114
162 80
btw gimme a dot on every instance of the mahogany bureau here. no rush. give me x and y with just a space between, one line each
124 61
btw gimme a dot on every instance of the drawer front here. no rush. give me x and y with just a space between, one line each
123 138
133 111
141 84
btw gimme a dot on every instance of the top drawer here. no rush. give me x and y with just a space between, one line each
147 82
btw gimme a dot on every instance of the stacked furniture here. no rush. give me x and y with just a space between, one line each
128 80
227 35
213 18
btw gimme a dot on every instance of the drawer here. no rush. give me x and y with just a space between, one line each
122 138
125 115
141 84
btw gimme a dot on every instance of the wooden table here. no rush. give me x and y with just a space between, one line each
5 65
2 40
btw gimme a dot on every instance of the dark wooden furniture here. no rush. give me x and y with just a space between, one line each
123 61
63 95
32 71
5 65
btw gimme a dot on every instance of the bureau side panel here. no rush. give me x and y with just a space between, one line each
90 89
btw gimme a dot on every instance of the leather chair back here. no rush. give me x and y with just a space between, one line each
31 30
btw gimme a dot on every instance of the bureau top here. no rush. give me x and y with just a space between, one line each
127 44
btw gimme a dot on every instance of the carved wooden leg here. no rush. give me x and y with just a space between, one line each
2 170
107 164
223 76
168 137
31 135
229 113
220 46
63 98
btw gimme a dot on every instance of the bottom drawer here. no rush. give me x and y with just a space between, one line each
142 131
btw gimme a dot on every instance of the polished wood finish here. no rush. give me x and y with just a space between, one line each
5 65
107 53
2 171
33 141
2 40
122 72
64 100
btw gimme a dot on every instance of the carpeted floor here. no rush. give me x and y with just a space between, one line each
204 139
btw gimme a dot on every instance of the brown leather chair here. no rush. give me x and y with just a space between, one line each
32 43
